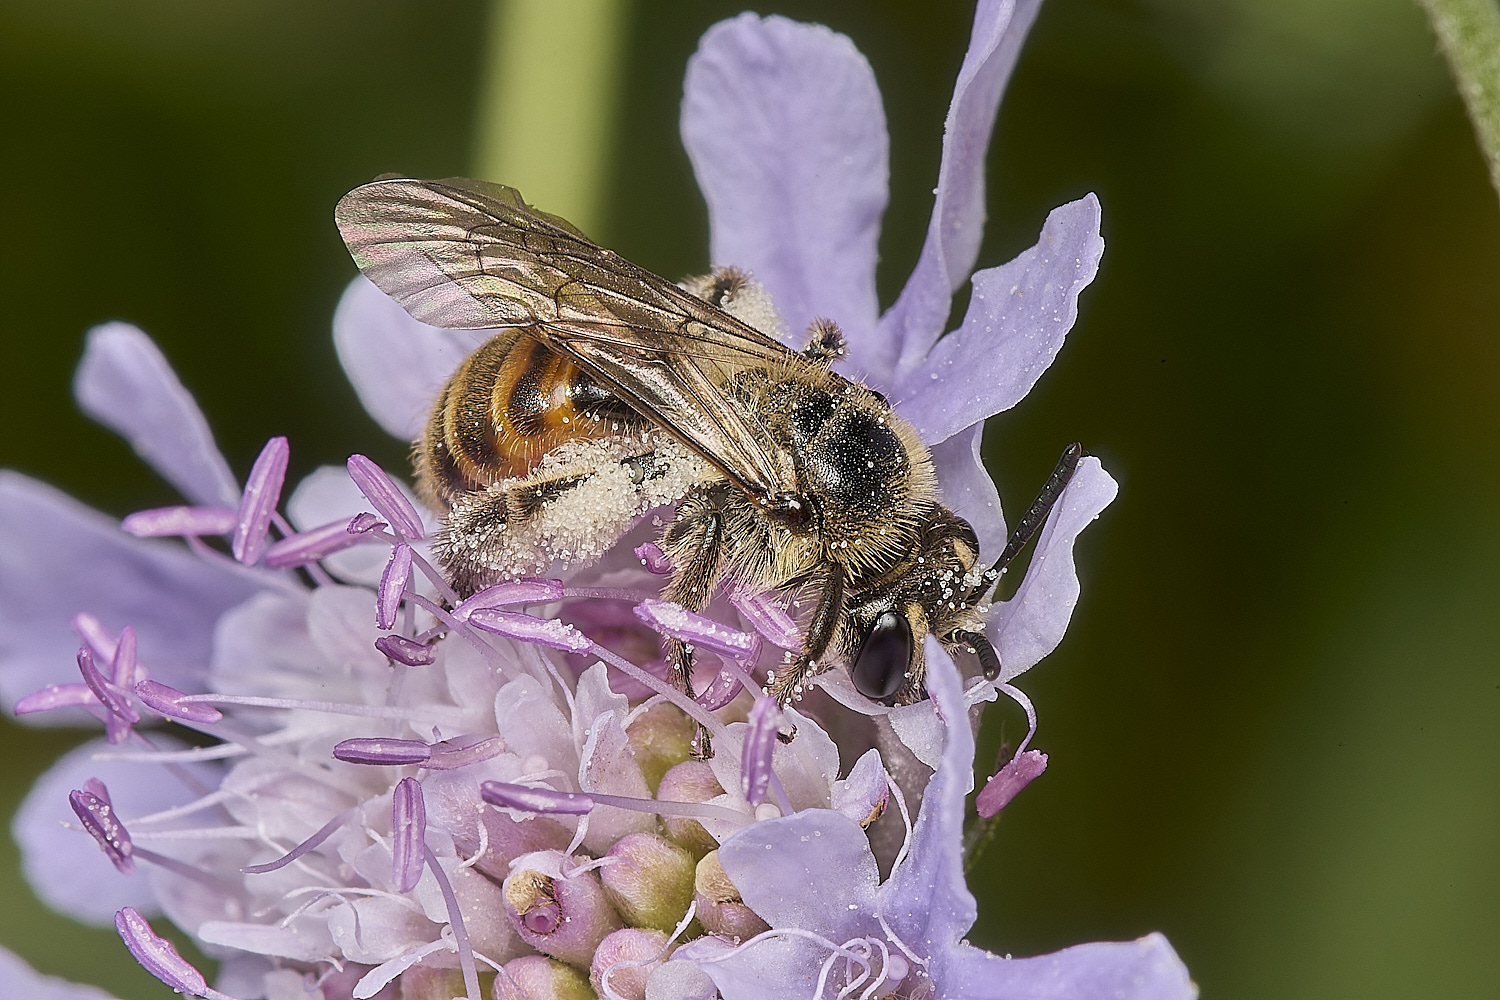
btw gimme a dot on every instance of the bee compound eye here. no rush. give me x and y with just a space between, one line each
884 658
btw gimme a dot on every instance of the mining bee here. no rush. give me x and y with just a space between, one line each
608 391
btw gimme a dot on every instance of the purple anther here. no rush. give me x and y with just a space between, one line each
760 744
409 834
386 497
535 800
161 522
169 702
114 701
654 559
262 494
92 806
525 628
364 522
723 689
158 957
511 593
407 652
382 750
1007 782
769 619
309 546
679 623
463 751
392 586
55 696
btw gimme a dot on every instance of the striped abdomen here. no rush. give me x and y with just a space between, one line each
506 406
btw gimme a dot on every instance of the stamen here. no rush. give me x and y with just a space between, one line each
115 702
1007 783
549 632
654 559
720 691
676 621
769 619
407 652
386 497
548 800
509 594
382 750
54 696
262 493
92 631
169 702
392 585
453 754
324 832
93 808
365 523
163 522
313 544
755 757
158 957
409 826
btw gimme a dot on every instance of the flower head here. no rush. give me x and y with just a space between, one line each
395 791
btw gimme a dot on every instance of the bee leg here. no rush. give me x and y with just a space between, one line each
787 684
695 543
471 534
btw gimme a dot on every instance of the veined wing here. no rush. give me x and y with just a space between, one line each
469 255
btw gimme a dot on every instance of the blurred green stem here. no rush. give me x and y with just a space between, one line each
1469 33
547 102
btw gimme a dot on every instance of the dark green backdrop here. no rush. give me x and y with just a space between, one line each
1274 726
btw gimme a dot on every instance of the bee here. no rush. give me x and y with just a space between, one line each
607 391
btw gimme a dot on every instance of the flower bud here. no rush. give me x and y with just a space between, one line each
422 982
562 916
534 977
628 958
720 909
680 981
661 737
690 781
650 880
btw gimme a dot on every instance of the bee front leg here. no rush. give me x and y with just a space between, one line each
695 543
788 683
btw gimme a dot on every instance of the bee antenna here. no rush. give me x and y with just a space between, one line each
1036 514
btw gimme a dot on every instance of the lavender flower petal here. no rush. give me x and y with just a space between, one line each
57 556
124 383
958 212
1031 624
180 521
17 979
1144 969
926 901
784 126
396 364
1015 326
262 494
968 489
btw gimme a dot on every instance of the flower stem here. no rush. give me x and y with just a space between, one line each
1468 32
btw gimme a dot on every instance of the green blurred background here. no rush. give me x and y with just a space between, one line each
1274 726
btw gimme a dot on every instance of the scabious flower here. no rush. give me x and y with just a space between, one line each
392 792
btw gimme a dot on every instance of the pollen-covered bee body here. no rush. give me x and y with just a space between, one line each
611 391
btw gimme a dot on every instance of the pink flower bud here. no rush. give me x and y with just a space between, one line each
536 977
720 908
627 957
562 916
660 738
689 781
650 880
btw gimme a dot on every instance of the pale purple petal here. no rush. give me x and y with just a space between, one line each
784 125
396 364
57 557
968 489
1145 969
125 383
958 213
1017 319
65 868
926 901
1031 624
17 979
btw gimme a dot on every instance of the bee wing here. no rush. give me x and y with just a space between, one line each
468 255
